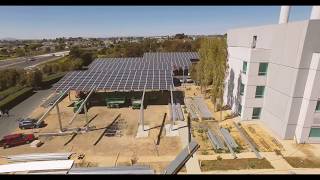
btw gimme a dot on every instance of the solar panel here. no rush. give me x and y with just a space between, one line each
116 80
153 71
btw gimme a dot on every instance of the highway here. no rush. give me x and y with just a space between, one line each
24 62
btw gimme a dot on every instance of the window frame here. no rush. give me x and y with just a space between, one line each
244 63
314 132
253 112
263 73
239 109
254 41
242 86
262 95
318 106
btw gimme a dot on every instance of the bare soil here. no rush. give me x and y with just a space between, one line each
299 162
106 150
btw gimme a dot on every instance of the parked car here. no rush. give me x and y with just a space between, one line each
29 123
16 140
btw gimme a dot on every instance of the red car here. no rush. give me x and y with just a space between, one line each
16 140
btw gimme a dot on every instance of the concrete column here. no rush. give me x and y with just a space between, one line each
315 13
284 14
142 116
309 101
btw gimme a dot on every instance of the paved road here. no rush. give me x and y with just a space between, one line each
25 108
23 62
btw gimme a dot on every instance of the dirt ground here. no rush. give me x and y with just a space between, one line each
105 152
200 134
127 149
228 124
299 162
264 142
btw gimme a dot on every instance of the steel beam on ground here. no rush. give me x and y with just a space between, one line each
82 105
228 145
183 157
51 107
252 147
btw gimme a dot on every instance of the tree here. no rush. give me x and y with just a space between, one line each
75 52
86 57
34 78
212 67
48 49
4 51
180 36
20 52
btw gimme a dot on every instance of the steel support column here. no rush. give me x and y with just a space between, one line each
59 117
172 106
142 110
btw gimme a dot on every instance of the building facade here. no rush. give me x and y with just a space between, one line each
274 76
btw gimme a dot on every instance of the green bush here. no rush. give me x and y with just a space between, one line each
15 98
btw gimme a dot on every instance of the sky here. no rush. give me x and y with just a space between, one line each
37 22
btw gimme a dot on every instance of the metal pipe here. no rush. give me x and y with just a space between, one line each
142 109
284 14
172 115
86 113
59 117
54 104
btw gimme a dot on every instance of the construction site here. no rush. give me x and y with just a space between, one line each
128 116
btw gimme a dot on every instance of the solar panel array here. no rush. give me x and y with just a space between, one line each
116 80
153 60
173 60
152 72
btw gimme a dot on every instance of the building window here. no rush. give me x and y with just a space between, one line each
259 91
241 89
263 67
314 132
244 67
318 106
256 113
239 109
254 42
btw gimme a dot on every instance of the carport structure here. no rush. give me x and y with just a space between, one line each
153 72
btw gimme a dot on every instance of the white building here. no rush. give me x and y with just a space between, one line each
274 76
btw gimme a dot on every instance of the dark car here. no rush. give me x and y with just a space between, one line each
16 140
29 123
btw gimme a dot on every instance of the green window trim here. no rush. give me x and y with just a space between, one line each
318 106
263 68
314 132
244 67
259 91
256 113
241 89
